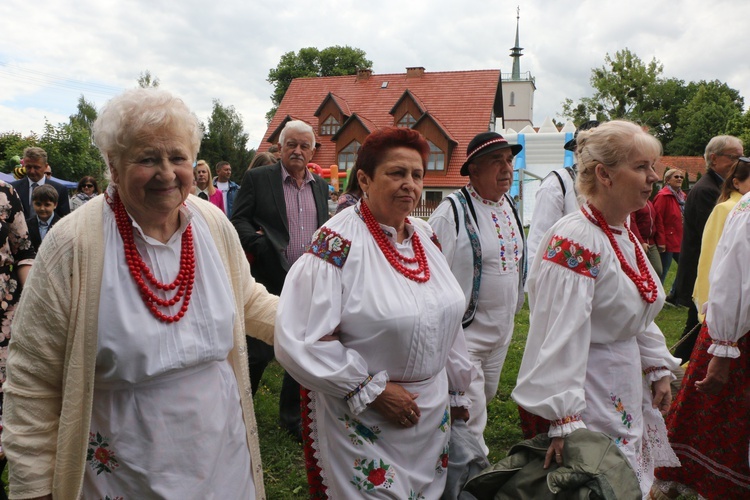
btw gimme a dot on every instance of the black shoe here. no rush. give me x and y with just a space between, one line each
294 431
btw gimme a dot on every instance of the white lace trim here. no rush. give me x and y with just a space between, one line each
724 351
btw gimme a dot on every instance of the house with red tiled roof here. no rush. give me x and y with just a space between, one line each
448 108
691 165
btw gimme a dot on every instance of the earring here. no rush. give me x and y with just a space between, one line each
364 195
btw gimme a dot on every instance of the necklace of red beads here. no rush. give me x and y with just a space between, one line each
422 273
642 279
145 279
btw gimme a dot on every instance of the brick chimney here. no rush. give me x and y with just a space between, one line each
415 72
363 74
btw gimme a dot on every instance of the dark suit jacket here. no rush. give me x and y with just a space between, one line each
700 202
260 204
63 203
33 224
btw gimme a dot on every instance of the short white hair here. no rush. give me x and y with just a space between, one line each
125 116
298 126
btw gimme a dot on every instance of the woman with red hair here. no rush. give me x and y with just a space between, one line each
370 322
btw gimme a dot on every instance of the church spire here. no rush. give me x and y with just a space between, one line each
515 52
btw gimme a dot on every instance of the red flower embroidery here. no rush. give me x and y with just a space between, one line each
376 476
102 455
445 461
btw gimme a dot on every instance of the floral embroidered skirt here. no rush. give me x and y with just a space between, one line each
356 456
709 433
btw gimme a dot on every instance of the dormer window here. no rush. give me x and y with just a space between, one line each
348 155
330 126
436 161
406 121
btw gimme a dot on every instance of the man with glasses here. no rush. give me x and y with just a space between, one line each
722 152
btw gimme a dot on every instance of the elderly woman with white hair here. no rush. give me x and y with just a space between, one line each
594 357
127 369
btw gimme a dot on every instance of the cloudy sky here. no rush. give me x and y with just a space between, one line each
52 51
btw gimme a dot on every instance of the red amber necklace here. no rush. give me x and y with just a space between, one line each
139 270
422 273
642 279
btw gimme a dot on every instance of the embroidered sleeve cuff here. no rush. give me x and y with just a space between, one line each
458 399
724 349
366 392
654 373
564 426
25 262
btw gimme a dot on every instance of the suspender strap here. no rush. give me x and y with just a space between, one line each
476 250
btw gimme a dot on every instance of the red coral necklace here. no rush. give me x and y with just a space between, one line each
139 270
422 273
642 279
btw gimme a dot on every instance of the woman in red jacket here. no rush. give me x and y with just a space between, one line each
670 204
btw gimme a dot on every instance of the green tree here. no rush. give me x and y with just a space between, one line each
146 80
225 139
12 145
310 62
85 114
621 88
739 126
70 151
713 110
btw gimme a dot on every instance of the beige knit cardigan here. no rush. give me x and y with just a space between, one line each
52 353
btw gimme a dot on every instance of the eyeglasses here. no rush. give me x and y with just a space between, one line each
677 177
88 185
731 157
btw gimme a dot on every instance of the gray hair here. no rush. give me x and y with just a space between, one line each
718 144
127 115
610 144
35 153
298 126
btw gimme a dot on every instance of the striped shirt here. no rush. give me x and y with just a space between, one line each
300 212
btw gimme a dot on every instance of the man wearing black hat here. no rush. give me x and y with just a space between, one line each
556 197
483 240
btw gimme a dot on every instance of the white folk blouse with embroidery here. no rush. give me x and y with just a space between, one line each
579 296
166 401
728 314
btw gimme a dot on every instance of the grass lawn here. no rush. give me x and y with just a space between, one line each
283 463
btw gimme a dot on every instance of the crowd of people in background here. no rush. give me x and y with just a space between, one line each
151 308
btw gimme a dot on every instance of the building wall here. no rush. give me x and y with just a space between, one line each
518 103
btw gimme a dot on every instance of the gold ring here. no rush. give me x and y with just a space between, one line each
411 413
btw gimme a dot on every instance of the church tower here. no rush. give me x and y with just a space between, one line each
518 90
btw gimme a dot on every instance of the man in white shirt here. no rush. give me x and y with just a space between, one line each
482 239
555 198
227 187
35 163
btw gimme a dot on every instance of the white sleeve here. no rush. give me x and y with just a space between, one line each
460 371
309 309
549 208
553 370
443 224
728 314
656 362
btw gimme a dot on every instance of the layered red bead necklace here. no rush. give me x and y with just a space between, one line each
642 279
422 273
139 270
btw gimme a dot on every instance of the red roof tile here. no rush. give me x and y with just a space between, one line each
461 102
692 165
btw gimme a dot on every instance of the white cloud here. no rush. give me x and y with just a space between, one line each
223 49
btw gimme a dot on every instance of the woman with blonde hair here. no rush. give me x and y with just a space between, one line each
594 357
204 188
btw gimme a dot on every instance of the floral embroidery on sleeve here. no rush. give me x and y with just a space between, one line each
99 455
330 246
571 255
